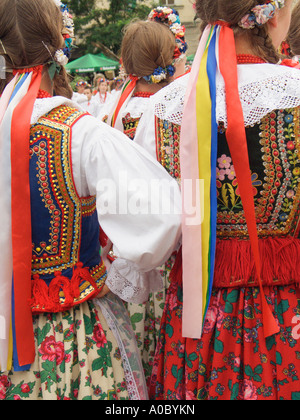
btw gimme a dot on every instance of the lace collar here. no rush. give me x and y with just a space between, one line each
45 105
263 88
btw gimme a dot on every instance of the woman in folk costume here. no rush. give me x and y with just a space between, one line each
157 48
79 95
103 98
153 55
59 180
230 329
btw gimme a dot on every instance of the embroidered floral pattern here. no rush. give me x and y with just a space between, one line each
228 192
275 180
233 360
130 126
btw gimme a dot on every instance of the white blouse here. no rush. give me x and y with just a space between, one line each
138 203
136 107
262 88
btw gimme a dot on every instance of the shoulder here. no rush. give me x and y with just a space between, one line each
63 114
178 86
43 107
168 103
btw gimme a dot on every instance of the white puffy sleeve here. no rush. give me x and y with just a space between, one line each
145 134
138 205
167 105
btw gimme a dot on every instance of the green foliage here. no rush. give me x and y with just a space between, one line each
96 27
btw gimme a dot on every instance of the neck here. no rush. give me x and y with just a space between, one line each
143 86
46 83
243 46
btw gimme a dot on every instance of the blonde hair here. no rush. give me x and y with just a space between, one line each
30 33
209 11
147 46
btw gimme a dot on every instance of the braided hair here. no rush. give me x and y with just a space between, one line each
30 34
232 11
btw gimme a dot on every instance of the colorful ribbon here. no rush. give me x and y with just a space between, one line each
198 162
237 142
16 109
206 152
124 97
191 221
6 346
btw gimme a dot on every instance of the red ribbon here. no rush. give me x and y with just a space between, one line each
237 141
21 222
36 69
222 23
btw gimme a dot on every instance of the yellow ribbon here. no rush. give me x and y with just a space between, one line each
203 107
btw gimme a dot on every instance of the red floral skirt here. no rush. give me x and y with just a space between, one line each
233 360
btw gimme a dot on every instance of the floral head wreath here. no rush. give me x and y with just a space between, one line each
81 83
260 14
170 17
160 74
62 56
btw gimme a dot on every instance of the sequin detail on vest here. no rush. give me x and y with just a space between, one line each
66 265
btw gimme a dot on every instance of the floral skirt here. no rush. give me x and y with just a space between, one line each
146 320
77 358
233 360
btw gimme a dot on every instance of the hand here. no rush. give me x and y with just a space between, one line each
105 253
103 292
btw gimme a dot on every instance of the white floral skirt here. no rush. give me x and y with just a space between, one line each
78 357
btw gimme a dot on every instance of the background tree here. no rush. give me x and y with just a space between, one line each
101 29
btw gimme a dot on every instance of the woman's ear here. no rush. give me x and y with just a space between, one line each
273 22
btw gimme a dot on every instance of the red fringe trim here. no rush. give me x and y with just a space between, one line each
48 299
235 267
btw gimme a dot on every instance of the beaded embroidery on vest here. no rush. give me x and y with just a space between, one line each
65 228
275 165
130 126
167 146
274 154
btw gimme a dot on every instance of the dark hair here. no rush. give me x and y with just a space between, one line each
31 33
209 11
